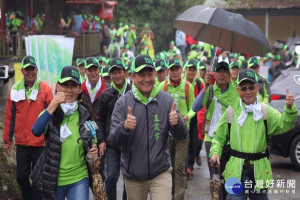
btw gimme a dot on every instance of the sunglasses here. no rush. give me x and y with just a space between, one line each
245 88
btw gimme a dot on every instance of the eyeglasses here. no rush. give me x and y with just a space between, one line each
245 88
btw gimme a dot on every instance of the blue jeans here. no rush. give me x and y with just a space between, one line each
112 160
251 194
74 191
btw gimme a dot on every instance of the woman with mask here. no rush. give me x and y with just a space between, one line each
62 170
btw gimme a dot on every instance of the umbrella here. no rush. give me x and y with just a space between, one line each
97 182
93 162
224 29
216 184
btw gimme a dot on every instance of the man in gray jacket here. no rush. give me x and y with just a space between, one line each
140 125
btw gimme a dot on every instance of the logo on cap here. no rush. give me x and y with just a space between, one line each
75 73
250 74
148 61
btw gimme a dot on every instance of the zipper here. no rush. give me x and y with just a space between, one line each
148 145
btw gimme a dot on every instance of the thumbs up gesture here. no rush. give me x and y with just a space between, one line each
173 117
130 122
289 99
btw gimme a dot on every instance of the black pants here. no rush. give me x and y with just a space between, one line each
195 144
27 157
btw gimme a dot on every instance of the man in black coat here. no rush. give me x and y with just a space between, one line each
107 102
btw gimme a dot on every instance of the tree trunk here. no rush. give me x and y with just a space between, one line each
53 9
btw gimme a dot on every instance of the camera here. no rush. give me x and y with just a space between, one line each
5 74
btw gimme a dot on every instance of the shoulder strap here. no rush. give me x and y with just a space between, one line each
264 110
230 114
198 84
166 86
187 85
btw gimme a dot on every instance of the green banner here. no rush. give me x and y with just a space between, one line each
52 53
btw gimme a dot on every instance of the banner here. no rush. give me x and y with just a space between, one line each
52 53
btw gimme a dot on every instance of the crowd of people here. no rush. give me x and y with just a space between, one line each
153 113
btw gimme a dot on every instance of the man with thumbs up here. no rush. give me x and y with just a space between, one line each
248 124
141 122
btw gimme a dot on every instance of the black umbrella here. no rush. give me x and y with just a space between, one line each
224 29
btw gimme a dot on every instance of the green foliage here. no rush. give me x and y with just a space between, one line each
160 14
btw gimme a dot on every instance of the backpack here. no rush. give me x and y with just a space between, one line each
187 85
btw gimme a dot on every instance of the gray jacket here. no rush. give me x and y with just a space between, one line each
145 150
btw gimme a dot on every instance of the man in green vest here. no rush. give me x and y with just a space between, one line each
201 66
194 144
247 124
183 94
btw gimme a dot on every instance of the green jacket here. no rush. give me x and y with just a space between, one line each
251 138
178 94
131 38
227 98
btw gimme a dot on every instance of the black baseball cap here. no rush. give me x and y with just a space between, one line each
191 63
116 62
247 75
91 61
201 65
105 71
253 62
160 64
222 65
80 61
174 62
140 62
69 73
28 61
235 64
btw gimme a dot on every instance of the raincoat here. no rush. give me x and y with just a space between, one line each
251 138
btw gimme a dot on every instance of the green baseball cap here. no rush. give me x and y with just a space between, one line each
127 46
69 73
171 43
161 55
247 74
277 57
91 61
234 64
28 61
140 62
174 62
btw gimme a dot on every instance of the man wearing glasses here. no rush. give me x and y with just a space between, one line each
247 124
